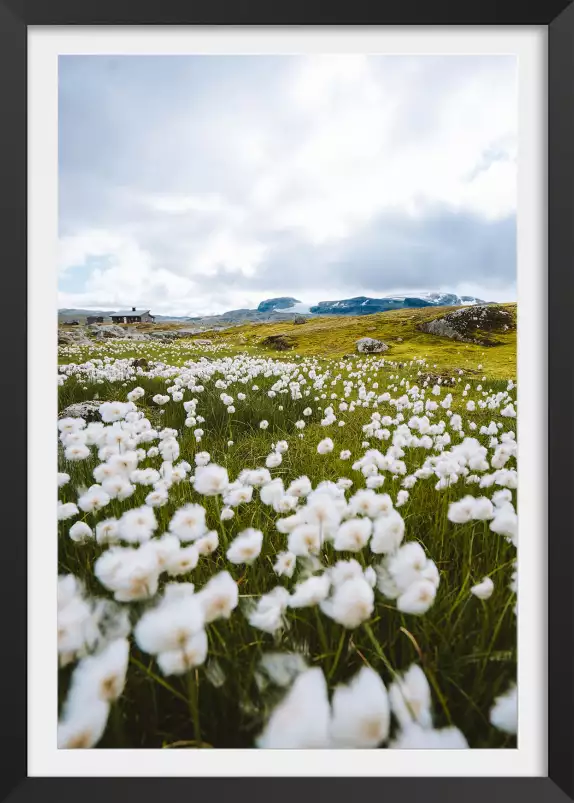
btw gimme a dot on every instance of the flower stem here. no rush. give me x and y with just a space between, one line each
338 655
193 691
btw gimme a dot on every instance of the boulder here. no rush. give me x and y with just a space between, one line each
369 345
73 337
278 342
88 410
105 331
299 319
204 342
471 324
167 334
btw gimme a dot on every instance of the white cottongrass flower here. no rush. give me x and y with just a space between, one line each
505 522
325 446
418 597
67 510
132 574
302 718
504 713
172 631
137 525
238 495
114 411
218 597
300 487
182 561
76 451
353 535
188 523
285 564
211 480
388 533
402 497
107 531
94 499
100 676
310 592
351 603
484 589
360 712
245 547
305 539
118 487
273 460
83 726
80 532
207 544
410 698
268 613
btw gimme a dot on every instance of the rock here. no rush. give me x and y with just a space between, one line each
141 362
278 342
73 337
88 410
203 342
105 331
299 319
369 345
163 336
111 330
469 324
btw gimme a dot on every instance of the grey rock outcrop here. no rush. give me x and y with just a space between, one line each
278 342
471 324
370 345
88 410
73 337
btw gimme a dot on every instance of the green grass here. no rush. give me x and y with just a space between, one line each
332 336
467 647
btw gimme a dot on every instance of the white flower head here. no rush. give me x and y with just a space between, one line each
361 712
302 718
484 589
245 547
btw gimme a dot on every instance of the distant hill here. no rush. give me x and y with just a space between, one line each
287 307
362 305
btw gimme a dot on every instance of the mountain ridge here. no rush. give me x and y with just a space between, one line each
288 307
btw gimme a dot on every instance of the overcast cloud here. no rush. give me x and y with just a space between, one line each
193 185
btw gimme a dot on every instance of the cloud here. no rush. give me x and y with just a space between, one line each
202 183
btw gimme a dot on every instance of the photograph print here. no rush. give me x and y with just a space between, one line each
287 381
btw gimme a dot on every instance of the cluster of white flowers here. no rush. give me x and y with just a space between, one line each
359 715
140 547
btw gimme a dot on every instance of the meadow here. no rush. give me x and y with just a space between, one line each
311 548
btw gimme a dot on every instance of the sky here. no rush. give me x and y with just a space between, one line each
191 185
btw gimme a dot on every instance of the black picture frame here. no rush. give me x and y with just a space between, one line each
558 16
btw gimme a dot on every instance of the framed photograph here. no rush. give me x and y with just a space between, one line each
289 299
